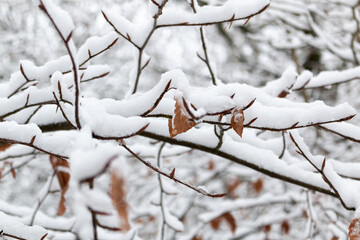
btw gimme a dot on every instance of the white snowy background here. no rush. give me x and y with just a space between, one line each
266 93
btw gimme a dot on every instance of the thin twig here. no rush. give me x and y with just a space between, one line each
163 222
66 40
321 171
311 216
284 145
204 46
356 35
42 199
156 169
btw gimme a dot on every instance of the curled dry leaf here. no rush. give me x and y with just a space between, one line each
283 94
232 185
285 227
228 218
215 223
63 178
180 122
267 228
258 185
197 237
211 165
3 168
13 172
354 229
118 197
4 146
43 237
237 121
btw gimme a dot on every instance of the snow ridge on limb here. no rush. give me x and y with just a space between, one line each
13 228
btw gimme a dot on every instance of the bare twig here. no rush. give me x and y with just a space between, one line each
42 198
321 171
171 176
66 40
162 233
204 46
356 35
140 66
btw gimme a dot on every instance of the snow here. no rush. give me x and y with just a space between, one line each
227 206
96 149
326 78
136 32
95 45
173 221
61 18
242 153
11 226
95 71
108 125
348 130
96 155
208 14
285 83
18 133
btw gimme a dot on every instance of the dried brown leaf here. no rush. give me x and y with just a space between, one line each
215 223
237 121
305 214
232 185
13 172
267 228
285 227
5 146
63 178
211 165
283 94
197 237
354 229
258 185
118 197
229 218
3 168
180 122
43 237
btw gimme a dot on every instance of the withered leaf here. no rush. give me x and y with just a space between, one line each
237 121
283 94
285 227
227 217
211 165
43 237
197 237
180 122
354 229
215 223
258 185
3 146
267 228
63 178
232 185
231 221
62 206
118 197
13 172
3 168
